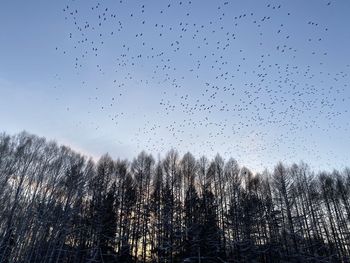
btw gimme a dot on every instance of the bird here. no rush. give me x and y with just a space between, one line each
230 73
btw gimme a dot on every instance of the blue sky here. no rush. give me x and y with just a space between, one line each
260 81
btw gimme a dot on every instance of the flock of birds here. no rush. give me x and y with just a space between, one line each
247 80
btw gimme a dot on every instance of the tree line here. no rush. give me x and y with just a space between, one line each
58 206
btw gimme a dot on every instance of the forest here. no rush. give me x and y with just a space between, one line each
58 205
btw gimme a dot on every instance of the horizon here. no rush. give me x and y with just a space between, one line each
159 157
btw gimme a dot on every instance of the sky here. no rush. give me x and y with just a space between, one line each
259 81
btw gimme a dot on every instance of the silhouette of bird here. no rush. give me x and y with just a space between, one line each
216 76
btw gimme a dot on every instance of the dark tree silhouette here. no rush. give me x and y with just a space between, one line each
58 206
